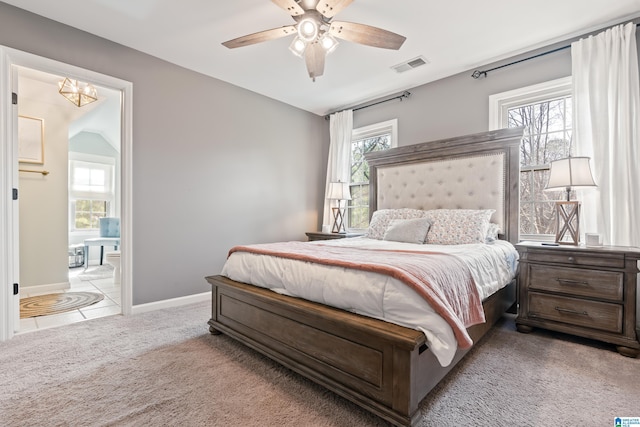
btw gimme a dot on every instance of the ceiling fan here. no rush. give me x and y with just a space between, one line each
316 32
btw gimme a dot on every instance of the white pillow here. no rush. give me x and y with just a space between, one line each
380 220
492 232
458 226
408 230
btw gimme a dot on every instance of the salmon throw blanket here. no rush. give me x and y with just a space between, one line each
443 280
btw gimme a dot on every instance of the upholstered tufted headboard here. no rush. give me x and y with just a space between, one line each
477 171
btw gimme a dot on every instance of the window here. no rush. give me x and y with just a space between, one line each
545 112
379 136
87 213
91 191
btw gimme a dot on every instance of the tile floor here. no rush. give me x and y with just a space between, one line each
110 305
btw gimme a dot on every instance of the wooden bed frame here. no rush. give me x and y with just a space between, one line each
384 368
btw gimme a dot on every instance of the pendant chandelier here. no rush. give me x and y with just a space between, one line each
78 93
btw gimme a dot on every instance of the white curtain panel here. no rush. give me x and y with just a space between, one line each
606 119
339 162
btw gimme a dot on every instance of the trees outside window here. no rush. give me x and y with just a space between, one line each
380 136
547 137
545 113
87 213
91 192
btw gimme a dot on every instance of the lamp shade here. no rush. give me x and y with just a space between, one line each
339 191
571 172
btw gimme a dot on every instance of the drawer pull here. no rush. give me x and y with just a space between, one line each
572 282
564 310
571 259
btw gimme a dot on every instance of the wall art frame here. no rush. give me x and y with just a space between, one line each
30 140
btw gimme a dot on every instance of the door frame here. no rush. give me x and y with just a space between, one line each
9 244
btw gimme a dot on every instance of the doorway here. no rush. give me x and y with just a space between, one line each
76 176
16 66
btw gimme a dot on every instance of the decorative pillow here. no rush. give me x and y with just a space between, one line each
458 226
492 232
408 230
380 220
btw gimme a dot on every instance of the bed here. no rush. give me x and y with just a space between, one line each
385 368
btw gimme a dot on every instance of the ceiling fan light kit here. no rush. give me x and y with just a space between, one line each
317 32
329 43
298 46
308 30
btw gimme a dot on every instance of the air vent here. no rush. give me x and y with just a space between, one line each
410 64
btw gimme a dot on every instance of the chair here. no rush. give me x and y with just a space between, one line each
109 236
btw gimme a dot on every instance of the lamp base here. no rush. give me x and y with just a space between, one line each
568 223
338 221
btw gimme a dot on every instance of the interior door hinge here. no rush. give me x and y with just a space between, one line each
15 194
14 98
15 288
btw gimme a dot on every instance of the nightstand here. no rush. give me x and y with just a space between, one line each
584 291
319 235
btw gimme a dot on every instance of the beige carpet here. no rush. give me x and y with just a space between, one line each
163 368
45 305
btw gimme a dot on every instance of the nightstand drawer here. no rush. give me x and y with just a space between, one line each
589 292
588 283
577 258
574 311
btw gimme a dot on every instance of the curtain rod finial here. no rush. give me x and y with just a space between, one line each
477 74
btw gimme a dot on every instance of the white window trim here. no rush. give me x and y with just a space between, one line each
92 158
500 103
388 126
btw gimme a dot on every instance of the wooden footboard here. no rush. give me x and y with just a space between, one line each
384 368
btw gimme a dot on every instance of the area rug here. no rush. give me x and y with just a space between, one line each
44 305
104 271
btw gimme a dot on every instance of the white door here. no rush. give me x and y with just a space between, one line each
9 299
15 238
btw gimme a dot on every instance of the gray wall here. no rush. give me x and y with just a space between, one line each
89 142
225 167
459 105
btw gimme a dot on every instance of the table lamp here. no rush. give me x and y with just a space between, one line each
568 173
339 191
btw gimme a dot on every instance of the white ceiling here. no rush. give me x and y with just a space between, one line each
454 36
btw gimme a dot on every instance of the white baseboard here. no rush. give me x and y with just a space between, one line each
168 303
44 289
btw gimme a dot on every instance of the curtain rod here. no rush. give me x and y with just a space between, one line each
403 95
479 73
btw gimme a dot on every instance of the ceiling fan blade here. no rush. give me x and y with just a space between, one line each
330 8
366 34
291 6
314 57
260 37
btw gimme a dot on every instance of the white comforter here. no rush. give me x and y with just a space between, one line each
375 295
